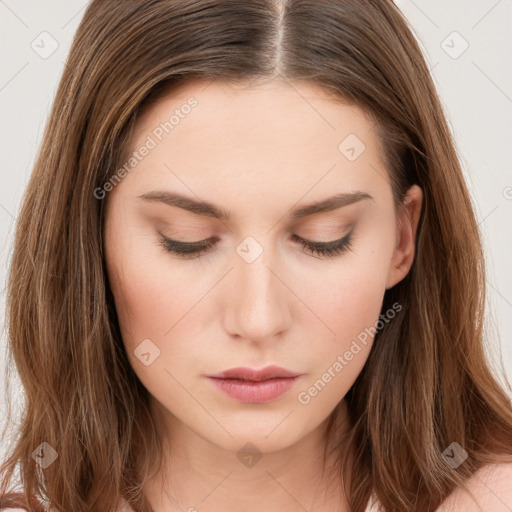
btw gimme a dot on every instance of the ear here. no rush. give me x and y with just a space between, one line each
407 225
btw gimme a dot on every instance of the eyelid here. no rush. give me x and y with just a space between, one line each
320 243
195 249
331 248
212 239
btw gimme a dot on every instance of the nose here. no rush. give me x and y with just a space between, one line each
258 301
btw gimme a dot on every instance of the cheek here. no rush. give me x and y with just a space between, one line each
349 299
150 296
351 310
349 295
152 305
148 301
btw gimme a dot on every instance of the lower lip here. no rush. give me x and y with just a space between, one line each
254 392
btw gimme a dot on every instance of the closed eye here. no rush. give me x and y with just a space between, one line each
190 250
333 248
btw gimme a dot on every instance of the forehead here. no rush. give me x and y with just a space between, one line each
261 137
276 112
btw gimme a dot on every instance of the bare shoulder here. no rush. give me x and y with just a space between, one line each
491 488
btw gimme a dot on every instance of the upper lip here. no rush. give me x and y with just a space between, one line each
245 373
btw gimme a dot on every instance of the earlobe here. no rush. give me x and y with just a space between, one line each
392 277
407 227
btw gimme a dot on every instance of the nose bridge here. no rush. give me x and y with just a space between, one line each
257 306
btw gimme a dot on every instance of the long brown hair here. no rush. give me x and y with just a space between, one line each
426 383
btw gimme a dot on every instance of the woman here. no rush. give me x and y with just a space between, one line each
247 273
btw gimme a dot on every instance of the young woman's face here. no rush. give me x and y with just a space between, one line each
238 167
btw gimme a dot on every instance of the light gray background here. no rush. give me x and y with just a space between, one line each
475 87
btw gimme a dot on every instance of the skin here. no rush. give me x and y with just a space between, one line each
259 152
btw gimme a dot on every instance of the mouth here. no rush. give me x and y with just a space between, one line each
255 386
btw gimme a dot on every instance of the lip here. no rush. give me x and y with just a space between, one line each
255 386
245 373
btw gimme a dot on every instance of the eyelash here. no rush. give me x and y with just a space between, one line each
189 250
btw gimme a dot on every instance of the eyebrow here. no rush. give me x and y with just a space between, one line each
210 210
